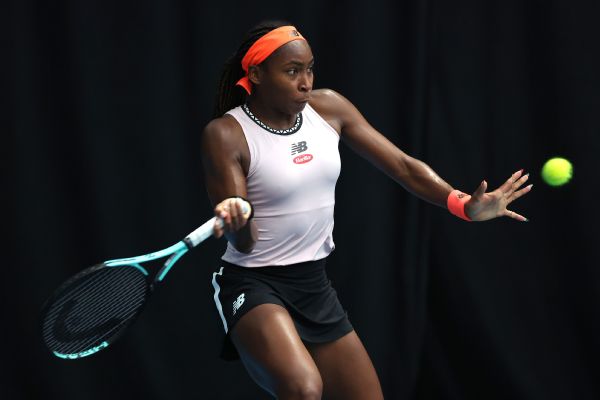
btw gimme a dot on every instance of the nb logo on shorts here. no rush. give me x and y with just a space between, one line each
299 147
238 302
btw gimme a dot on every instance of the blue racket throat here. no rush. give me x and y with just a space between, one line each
147 257
174 252
137 266
169 264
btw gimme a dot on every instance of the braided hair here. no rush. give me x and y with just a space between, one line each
228 95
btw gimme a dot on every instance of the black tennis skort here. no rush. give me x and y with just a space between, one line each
303 289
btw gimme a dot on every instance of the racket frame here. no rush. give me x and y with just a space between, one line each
174 252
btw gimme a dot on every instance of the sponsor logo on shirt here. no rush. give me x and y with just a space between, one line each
298 148
303 158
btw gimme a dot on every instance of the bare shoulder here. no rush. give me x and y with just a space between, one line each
330 105
223 134
337 110
326 101
223 128
223 145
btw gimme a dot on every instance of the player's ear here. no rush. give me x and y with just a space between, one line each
254 74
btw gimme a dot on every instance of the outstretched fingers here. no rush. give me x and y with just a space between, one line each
512 192
520 182
515 195
514 215
513 182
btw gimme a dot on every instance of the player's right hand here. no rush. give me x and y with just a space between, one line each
231 216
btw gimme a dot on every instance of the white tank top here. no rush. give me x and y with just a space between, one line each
291 184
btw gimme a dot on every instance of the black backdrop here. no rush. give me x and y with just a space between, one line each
105 104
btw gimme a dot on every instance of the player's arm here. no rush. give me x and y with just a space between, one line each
225 159
414 175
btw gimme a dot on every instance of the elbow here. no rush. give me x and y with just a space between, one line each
402 170
416 170
411 173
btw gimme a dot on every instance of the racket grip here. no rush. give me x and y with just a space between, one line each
206 229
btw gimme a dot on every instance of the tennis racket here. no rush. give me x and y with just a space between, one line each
93 308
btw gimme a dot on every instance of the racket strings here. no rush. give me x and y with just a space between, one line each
91 287
91 308
89 292
103 314
86 315
88 324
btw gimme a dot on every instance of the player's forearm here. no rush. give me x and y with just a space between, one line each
424 182
244 239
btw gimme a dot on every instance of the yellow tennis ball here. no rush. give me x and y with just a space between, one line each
557 171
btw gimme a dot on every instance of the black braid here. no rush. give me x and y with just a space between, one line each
228 94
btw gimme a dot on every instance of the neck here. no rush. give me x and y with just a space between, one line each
269 114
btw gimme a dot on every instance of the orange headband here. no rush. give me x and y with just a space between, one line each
264 47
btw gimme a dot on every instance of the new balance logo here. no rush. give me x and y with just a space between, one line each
299 147
238 302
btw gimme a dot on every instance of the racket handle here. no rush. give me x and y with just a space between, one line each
206 229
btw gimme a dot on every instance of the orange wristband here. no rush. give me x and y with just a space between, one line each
456 204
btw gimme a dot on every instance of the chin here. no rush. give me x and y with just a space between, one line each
299 107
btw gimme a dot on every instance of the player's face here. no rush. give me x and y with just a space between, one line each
287 77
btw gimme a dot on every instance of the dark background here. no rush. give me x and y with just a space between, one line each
105 102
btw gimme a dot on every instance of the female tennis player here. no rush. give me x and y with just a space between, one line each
274 143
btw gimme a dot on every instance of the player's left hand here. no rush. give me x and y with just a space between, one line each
484 206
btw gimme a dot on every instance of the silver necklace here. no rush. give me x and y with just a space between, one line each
288 131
